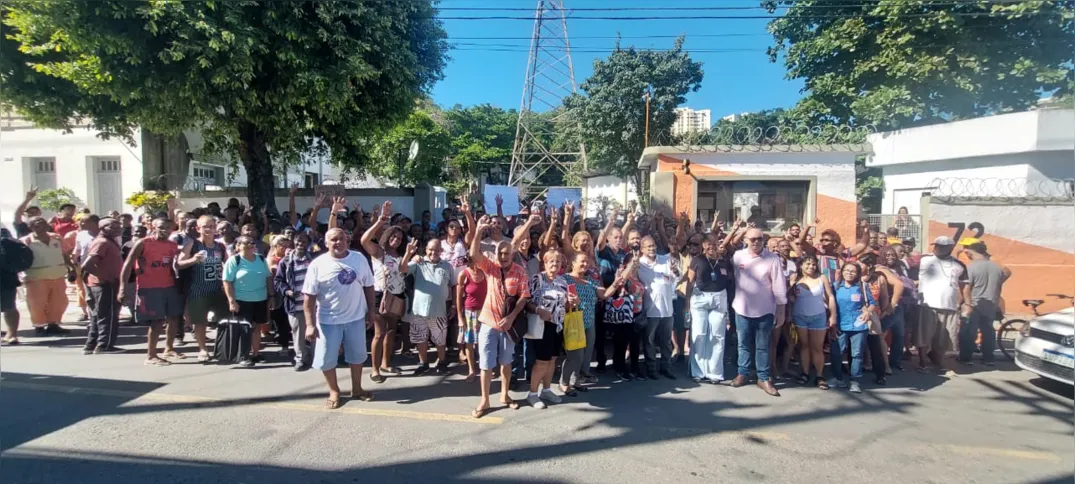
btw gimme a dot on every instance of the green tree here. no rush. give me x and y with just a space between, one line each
612 112
261 79
482 137
910 62
392 147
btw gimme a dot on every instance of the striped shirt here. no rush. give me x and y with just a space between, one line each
290 275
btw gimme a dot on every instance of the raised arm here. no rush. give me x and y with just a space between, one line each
602 238
659 235
471 233
682 234
499 206
521 235
412 248
25 203
338 203
546 239
628 224
713 226
863 240
367 237
567 229
730 237
476 255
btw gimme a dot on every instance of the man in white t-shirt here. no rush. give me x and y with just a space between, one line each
338 285
941 278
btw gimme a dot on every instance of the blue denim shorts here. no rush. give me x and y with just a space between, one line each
812 322
352 336
495 348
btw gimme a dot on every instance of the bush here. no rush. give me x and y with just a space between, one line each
53 198
151 200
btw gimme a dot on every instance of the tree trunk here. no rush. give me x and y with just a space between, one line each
254 154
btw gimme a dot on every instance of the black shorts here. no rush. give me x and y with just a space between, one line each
548 347
254 312
7 299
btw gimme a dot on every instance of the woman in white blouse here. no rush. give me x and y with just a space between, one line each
659 276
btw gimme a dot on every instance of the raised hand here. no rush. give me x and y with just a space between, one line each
338 203
294 189
464 204
386 211
412 246
534 219
31 194
499 200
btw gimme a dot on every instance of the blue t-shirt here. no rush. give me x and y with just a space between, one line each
849 303
587 299
248 277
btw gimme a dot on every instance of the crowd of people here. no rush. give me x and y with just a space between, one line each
520 297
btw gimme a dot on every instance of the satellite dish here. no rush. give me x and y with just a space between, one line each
413 153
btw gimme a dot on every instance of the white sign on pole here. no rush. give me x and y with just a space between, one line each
508 193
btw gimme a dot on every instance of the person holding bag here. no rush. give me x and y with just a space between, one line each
854 306
248 285
548 305
505 299
389 285
577 360
623 307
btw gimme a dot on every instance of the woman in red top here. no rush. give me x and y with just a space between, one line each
159 300
469 297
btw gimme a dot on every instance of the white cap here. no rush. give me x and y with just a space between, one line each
944 240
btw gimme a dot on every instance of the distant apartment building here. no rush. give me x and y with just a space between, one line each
691 121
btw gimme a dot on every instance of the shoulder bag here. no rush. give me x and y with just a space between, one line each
391 304
874 322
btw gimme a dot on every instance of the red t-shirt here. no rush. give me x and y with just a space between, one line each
155 265
62 227
110 261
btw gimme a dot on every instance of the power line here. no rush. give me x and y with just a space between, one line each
746 7
609 37
758 17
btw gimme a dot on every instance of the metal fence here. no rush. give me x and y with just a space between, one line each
909 226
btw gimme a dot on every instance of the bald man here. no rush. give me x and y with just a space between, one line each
103 263
760 298
338 288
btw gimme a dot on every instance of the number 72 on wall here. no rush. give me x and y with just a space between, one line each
977 227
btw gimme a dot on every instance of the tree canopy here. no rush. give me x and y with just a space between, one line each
392 147
612 110
910 62
260 79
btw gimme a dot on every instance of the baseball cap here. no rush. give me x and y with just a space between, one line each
944 240
969 241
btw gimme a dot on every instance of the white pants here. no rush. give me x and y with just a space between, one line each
709 323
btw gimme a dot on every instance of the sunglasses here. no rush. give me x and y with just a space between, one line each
753 239
826 240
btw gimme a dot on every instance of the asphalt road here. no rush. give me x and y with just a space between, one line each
107 418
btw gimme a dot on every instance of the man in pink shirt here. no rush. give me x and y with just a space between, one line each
760 296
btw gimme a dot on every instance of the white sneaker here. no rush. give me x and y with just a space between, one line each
535 401
854 387
547 394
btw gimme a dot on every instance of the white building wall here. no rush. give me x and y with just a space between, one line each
904 184
615 188
834 170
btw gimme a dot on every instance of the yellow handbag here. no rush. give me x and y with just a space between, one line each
574 331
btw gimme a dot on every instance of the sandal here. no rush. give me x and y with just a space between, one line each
173 354
203 357
332 404
378 378
394 370
803 378
569 392
512 404
10 341
471 377
479 412
363 397
157 362
821 383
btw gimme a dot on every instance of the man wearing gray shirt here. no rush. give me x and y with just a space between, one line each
986 278
433 281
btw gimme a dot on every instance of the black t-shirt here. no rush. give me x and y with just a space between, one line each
711 276
21 229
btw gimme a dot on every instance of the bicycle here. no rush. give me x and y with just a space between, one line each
1013 328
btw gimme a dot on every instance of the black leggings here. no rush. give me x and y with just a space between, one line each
624 335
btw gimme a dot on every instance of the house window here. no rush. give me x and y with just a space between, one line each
310 180
107 165
44 172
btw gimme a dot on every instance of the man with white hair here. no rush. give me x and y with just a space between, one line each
338 286
760 297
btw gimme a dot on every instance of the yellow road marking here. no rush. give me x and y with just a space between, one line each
171 398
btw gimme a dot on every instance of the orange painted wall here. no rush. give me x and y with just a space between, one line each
1036 270
839 215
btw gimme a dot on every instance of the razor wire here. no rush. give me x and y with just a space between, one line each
788 138
1005 189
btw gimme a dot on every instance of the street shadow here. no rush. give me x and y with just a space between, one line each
128 336
1037 401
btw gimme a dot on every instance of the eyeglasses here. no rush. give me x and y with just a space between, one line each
753 239
826 240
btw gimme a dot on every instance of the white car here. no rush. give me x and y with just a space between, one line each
1046 346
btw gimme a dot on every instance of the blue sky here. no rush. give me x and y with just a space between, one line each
739 81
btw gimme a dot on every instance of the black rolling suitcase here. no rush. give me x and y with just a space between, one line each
232 340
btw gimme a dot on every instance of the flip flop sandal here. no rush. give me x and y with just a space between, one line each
175 355
394 370
363 397
822 384
471 378
157 362
479 412
512 404
10 342
803 378
203 357
332 404
378 378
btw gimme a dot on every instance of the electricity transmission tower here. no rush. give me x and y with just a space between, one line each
540 144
